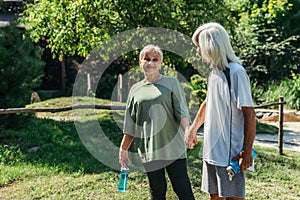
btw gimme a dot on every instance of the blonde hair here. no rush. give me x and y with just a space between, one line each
150 48
215 47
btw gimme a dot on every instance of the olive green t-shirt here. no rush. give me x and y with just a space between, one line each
153 115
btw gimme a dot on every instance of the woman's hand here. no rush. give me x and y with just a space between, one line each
190 137
190 132
123 157
123 153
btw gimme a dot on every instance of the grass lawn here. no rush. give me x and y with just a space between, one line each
46 159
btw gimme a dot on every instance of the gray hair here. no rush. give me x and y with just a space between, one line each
151 48
215 47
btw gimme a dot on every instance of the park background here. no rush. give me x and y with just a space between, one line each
43 45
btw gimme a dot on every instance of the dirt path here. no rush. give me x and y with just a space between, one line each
291 137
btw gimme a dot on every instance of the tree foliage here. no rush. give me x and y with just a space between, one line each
71 27
21 69
77 27
264 33
268 43
13 7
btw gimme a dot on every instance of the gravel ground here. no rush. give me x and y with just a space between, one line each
291 137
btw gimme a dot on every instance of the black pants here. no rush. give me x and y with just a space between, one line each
177 172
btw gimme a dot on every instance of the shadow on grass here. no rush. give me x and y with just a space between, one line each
57 145
53 144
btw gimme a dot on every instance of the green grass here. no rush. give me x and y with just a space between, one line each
62 168
264 128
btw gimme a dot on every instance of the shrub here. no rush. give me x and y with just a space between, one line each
294 92
197 93
21 68
288 88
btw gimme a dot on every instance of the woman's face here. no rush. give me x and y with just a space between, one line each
151 63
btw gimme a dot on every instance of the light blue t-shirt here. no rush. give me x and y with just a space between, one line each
217 139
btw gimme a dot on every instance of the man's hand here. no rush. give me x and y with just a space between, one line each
245 160
190 132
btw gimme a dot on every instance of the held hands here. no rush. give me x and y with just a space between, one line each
190 137
123 157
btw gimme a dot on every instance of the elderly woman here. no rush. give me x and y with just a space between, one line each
155 120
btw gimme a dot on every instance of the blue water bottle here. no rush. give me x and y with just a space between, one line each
234 167
122 186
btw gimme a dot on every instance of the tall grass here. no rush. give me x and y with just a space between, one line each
288 88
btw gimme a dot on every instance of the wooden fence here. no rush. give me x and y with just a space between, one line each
59 109
111 107
280 121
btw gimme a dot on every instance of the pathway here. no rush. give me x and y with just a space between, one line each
291 137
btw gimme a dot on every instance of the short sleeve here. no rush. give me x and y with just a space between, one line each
242 89
130 118
179 101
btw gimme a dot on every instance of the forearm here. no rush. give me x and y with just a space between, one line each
123 153
249 128
190 133
249 135
126 142
200 117
184 123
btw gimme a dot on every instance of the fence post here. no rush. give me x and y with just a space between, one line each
280 130
89 88
120 88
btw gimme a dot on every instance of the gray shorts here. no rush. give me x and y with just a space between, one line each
215 181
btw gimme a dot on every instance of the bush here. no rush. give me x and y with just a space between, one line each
288 88
295 91
21 68
257 91
197 93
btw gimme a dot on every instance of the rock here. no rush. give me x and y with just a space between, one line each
33 149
